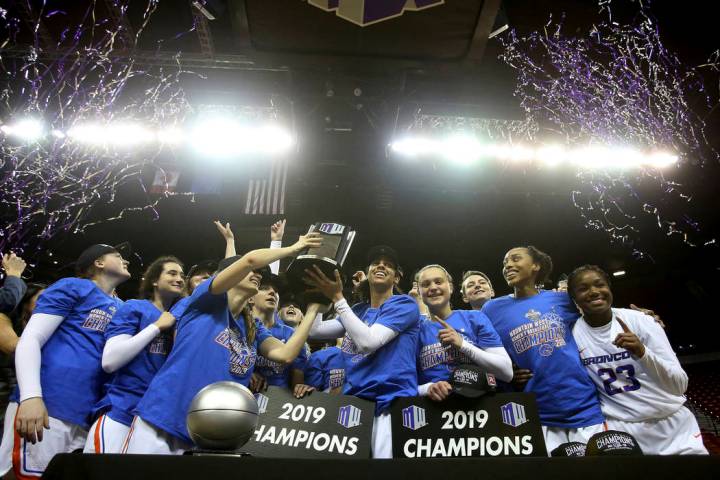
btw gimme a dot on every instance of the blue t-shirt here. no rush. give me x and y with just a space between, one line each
436 362
537 334
130 382
325 369
71 373
276 373
210 347
390 371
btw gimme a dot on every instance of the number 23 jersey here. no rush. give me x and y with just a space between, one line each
629 390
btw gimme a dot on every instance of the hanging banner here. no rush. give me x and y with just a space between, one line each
367 12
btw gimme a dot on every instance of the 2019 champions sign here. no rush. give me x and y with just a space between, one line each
317 426
490 426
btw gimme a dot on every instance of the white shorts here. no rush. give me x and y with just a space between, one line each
30 460
678 434
145 438
106 436
556 436
382 437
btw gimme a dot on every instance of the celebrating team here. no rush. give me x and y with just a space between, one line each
103 375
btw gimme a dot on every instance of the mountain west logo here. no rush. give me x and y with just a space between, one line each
546 331
513 414
349 416
332 228
367 12
414 417
262 402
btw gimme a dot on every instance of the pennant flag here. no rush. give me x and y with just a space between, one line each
266 196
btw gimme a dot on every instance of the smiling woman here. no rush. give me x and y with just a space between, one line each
139 339
637 374
535 328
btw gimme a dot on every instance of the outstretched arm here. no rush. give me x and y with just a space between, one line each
255 259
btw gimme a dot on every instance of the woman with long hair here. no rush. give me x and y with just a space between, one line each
217 340
138 341
535 326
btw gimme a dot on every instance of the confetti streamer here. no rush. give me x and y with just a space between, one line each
87 75
618 85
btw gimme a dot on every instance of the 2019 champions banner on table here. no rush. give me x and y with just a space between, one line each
317 426
504 424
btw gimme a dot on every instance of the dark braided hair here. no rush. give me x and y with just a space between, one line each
543 259
573 277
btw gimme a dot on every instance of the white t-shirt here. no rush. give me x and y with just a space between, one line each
632 389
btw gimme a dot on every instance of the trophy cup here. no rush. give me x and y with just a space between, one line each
337 240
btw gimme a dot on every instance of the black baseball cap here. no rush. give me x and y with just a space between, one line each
290 299
206 266
383 251
471 381
612 442
93 252
569 449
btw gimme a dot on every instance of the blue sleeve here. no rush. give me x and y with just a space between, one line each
570 313
314 372
302 358
204 300
11 293
261 333
399 313
61 297
485 334
126 321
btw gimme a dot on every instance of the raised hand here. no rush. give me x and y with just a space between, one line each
358 277
13 265
629 341
311 240
331 288
439 391
225 230
448 335
31 419
277 230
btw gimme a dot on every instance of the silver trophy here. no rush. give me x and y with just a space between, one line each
337 240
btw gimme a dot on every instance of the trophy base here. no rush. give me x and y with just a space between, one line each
197 452
296 272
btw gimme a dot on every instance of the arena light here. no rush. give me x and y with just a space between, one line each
462 149
128 134
217 137
90 133
170 136
619 273
465 149
270 139
413 146
28 129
